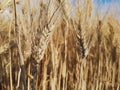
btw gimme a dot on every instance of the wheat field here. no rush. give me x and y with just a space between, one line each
59 45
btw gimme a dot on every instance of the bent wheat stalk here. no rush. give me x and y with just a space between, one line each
18 82
19 47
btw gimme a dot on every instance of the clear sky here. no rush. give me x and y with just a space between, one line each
104 4
112 6
104 1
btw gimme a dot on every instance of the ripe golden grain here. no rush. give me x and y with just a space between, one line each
58 52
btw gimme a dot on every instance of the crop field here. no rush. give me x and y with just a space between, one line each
59 45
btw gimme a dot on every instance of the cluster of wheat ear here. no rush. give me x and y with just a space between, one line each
58 45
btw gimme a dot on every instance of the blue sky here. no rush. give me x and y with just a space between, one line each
103 2
106 3
111 5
